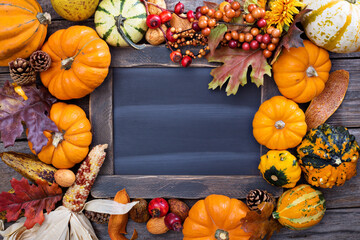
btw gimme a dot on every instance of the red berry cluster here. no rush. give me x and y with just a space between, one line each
204 19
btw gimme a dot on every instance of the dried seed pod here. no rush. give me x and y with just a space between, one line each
179 208
155 10
157 226
139 212
155 36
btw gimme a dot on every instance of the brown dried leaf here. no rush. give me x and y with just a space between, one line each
210 4
261 224
178 22
324 105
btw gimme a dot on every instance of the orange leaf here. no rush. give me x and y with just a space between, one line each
324 105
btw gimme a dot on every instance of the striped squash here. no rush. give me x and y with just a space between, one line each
129 15
23 28
334 24
300 207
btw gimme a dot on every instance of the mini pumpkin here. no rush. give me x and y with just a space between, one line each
328 156
279 124
216 217
23 28
301 73
333 24
300 207
80 62
280 168
70 145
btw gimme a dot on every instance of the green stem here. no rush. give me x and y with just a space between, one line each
351 1
44 18
221 235
120 23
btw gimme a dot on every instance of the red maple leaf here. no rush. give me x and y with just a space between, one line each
235 68
32 198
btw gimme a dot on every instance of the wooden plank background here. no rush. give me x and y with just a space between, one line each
342 218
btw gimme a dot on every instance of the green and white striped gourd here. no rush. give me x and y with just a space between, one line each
333 24
300 207
128 15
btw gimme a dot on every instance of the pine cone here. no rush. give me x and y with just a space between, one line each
256 197
100 218
40 61
21 72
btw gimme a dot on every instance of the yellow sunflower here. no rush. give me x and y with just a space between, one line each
281 13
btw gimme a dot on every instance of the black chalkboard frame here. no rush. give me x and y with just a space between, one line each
168 186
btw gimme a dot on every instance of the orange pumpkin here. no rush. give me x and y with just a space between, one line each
23 28
216 217
279 124
80 62
70 145
301 73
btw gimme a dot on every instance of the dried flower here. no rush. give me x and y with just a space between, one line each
281 13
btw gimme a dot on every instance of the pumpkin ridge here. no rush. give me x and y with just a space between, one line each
12 5
8 30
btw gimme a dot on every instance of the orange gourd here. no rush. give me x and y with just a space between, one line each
80 62
279 124
23 28
70 145
216 217
301 73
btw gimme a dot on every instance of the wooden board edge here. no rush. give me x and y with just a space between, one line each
180 186
101 117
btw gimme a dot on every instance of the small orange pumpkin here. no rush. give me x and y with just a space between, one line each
80 62
216 217
279 124
23 28
71 144
301 73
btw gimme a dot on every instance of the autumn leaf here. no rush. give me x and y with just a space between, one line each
260 223
235 68
210 4
32 198
293 36
216 36
14 110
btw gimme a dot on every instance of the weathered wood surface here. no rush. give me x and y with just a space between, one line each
188 187
337 224
340 222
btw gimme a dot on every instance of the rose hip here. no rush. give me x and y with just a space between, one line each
158 207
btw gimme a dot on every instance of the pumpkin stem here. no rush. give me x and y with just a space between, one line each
67 62
351 1
120 23
311 72
44 18
279 124
57 138
275 215
221 235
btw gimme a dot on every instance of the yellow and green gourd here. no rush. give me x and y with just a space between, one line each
280 168
328 156
121 22
333 24
300 207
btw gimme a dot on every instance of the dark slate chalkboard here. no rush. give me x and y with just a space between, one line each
167 122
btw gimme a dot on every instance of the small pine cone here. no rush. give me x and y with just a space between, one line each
256 197
100 218
40 61
21 72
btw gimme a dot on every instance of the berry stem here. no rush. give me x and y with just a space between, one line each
162 30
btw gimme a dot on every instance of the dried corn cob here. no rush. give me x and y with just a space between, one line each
76 195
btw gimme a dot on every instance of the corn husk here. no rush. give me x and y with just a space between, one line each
2 225
63 224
